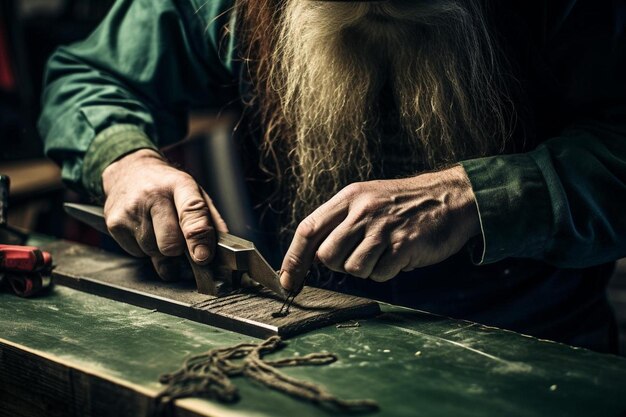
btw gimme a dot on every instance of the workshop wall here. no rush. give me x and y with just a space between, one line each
30 30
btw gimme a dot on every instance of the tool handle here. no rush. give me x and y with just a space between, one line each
17 258
29 285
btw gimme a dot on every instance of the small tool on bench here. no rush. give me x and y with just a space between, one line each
235 258
26 269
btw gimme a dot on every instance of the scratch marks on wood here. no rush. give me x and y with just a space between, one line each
458 329
452 342
504 366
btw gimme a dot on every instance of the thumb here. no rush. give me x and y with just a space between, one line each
194 217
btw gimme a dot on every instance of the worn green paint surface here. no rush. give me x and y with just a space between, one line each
462 369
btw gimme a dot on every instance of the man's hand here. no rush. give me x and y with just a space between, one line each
157 210
376 229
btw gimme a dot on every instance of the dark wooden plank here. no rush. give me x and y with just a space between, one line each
248 311
34 384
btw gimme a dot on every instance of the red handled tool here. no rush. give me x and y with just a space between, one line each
26 269
16 258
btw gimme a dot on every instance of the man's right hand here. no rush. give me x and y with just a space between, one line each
154 209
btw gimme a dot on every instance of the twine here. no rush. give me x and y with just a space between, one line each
209 375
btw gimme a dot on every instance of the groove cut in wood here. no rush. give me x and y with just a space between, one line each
249 311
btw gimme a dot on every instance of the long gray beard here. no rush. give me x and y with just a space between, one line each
385 89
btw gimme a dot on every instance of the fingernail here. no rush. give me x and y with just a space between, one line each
285 281
201 253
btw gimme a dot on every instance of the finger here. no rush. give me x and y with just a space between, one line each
389 265
144 235
127 241
217 218
363 260
172 268
309 234
169 238
338 245
122 230
194 219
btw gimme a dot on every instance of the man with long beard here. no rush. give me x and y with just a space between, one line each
394 134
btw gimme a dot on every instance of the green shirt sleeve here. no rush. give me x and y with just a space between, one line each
130 84
563 203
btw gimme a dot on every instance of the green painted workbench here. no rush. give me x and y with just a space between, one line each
75 354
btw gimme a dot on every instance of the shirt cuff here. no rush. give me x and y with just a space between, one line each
513 206
107 147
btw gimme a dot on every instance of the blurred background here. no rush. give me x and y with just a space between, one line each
30 30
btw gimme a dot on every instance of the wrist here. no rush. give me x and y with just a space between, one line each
463 203
128 164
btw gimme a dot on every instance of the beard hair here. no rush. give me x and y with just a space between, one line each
372 90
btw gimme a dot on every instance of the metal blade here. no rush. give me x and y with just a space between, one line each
241 255
90 215
233 252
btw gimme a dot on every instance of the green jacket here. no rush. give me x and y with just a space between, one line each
561 204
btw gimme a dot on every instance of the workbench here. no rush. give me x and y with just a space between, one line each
75 354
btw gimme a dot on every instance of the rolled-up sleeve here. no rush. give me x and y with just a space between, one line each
131 83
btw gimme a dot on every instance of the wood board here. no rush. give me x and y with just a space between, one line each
249 311
74 354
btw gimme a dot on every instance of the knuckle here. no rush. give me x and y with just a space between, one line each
174 178
353 190
196 226
327 257
367 205
307 228
122 216
324 254
198 231
376 240
292 263
397 248
193 207
173 248
365 209
182 176
160 200
117 223
380 276
355 269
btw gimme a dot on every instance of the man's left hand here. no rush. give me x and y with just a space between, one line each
377 229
